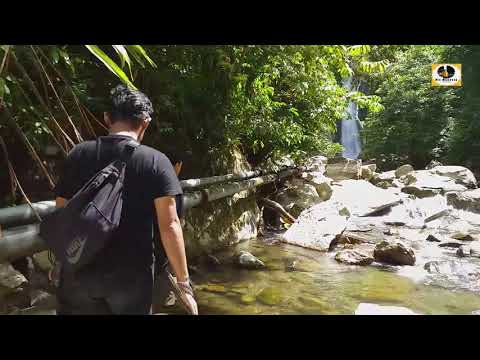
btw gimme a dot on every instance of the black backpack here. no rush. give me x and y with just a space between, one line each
79 231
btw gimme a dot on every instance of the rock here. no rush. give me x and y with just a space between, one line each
361 197
420 192
387 176
298 197
367 171
403 170
246 260
394 253
317 226
353 257
384 184
42 299
476 312
321 184
316 164
461 175
451 244
368 237
425 180
466 200
42 262
374 309
341 169
433 238
11 279
460 230
270 296
463 251
474 248
432 164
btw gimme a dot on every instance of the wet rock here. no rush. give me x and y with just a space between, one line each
461 175
341 169
248 299
403 170
367 237
374 309
317 226
291 265
298 197
394 253
466 200
354 257
246 260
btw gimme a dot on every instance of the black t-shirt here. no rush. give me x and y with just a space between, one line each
149 175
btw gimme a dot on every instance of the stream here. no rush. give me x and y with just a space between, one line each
318 285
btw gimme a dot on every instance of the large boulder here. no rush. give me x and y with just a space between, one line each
361 197
368 171
297 197
424 183
354 257
317 226
341 169
394 253
461 175
403 170
316 164
374 309
466 200
321 184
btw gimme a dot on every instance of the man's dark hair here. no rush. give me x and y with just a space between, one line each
129 105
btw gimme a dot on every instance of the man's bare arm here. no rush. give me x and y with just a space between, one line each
172 236
60 202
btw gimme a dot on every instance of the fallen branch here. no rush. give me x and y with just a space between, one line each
279 209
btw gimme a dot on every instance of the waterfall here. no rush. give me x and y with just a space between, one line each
350 129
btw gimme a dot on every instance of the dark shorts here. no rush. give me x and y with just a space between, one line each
106 294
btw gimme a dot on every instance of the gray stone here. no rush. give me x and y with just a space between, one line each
433 238
374 309
246 260
316 164
451 244
354 257
321 184
387 176
368 171
317 226
466 200
403 170
420 192
394 253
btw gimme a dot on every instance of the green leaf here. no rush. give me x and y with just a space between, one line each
110 64
54 54
138 53
2 87
124 58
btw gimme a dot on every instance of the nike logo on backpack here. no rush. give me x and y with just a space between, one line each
75 250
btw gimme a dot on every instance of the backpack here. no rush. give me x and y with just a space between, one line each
79 231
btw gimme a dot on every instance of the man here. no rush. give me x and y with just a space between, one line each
120 279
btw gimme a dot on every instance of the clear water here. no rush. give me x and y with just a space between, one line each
319 286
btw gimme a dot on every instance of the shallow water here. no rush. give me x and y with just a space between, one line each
319 285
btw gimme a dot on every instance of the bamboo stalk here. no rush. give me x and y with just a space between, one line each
40 99
75 130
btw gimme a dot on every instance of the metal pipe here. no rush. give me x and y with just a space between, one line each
24 241
24 215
